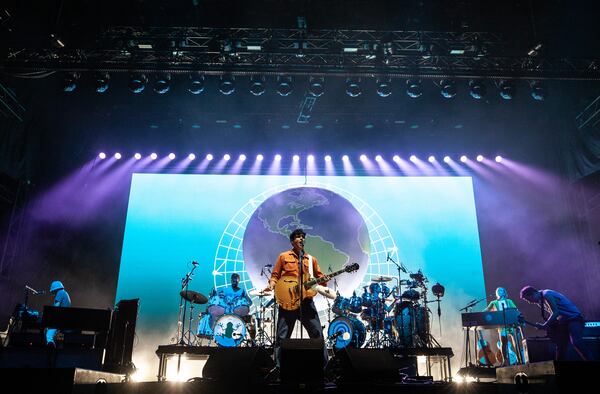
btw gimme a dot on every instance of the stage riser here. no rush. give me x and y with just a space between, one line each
39 358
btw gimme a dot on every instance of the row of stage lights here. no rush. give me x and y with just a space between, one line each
285 85
296 158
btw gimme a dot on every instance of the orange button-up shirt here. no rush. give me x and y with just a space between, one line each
287 265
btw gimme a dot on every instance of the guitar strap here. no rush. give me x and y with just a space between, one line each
543 307
310 266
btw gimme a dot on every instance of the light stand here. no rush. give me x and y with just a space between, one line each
438 291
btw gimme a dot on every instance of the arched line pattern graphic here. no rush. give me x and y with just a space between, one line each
229 256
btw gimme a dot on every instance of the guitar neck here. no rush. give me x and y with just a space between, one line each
317 281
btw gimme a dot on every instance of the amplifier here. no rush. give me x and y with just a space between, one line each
591 329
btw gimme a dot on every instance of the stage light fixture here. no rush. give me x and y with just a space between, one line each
242 157
162 83
171 156
327 158
363 157
118 156
463 159
538 90
257 85
137 156
477 89
446 159
310 158
196 83
296 158
413 158
507 89
259 157
154 156
353 88
431 159
70 82
226 157
277 157
284 86
191 156
479 158
384 88
438 290
137 83
378 158
209 157
102 155
345 158
316 86
396 158
498 159
227 85
414 88
101 82
448 88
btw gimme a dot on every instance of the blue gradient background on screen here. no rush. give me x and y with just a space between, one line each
173 219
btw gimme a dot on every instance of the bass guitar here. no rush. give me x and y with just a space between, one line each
287 288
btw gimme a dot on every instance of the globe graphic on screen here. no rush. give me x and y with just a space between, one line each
337 235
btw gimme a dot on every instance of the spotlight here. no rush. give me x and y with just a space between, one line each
507 89
396 158
259 157
226 85
242 157
70 82
378 158
118 156
477 89
284 86
310 158
538 91
412 158
192 156
257 85
353 87
327 158
446 159
226 157
414 88
431 159
363 157
296 158
277 157
209 157
101 82
137 156
102 155
172 156
498 159
153 156
316 86
384 88
345 158
196 83
448 88
137 83
162 83
479 158
463 159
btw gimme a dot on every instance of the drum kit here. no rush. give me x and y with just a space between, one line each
382 317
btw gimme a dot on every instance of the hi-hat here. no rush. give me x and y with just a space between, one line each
193 297
381 279
261 293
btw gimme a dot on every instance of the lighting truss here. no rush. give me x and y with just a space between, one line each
347 53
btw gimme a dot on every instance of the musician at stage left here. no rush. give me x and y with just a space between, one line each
510 337
287 266
234 291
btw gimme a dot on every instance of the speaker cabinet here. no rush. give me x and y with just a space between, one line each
238 365
302 361
350 365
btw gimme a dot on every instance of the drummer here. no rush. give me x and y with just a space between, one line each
234 291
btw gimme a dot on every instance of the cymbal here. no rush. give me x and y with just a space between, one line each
260 293
193 297
381 279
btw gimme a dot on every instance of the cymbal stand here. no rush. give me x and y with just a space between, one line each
262 338
401 268
181 330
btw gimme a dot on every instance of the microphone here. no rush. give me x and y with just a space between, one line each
344 334
268 265
195 263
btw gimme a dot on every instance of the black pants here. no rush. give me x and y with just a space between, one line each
569 331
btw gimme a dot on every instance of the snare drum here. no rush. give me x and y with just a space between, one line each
217 305
240 306
355 304
229 331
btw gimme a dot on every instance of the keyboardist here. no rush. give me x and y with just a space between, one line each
62 299
510 337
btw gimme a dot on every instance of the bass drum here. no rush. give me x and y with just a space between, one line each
229 331
412 324
347 331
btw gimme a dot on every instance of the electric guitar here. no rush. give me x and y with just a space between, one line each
550 330
287 288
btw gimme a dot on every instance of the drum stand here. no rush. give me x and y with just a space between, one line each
184 337
262 338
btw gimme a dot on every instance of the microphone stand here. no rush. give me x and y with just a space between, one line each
185 281
467 308
301 284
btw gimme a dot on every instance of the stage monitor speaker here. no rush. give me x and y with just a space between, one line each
238 365
302 361
350 365
119 348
